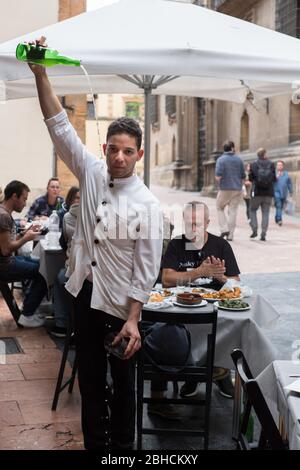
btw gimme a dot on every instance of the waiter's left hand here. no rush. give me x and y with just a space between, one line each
130 331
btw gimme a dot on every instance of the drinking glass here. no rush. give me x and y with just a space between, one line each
180 286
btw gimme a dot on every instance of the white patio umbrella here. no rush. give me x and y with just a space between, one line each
161 47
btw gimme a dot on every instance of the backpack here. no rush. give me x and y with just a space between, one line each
265 175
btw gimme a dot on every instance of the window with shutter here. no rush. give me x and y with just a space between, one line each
288 17
154 111
90 110
245 131
294 133
171 106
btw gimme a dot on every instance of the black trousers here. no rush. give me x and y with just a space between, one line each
105 422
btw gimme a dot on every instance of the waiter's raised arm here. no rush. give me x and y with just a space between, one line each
50 104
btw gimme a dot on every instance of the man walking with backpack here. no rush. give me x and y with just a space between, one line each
263 176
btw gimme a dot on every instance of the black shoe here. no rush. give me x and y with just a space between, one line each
164 411
220 373
225 386
59 332
263 238
253 235
279 223
189 389
224 234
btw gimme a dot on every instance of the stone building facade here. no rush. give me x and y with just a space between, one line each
174 142
75 105
25 146
177 138
271 123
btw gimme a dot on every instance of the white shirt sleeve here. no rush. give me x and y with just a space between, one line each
67 143
146 261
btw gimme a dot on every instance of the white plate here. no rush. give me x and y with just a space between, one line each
157 305
202 304
201 281
232 309
162 291
214 300
202 290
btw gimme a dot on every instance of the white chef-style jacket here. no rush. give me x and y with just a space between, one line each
120 266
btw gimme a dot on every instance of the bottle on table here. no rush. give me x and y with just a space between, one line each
250 426
41 55
53 234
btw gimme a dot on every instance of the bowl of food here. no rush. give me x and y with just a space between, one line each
189 298
232 304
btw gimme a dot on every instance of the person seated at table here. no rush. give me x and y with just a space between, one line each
71 198
19 223
196 254
60 296
44 205
19 268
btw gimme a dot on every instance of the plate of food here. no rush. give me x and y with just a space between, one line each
158 295
155 297
157 300
202 290
232 304
223 294
189 299
201 304
166 293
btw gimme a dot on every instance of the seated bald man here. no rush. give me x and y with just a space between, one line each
200 254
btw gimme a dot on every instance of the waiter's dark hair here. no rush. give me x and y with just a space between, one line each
128 126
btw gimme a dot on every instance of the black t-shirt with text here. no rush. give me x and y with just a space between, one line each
180 259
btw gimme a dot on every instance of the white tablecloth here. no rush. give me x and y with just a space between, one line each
51 261
240 330
283 402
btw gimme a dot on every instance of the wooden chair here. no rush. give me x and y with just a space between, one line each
146 371
270 437
7 294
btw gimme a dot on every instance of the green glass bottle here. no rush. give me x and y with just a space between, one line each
58 205
43 56
250 427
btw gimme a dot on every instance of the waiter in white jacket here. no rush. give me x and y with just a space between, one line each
114 262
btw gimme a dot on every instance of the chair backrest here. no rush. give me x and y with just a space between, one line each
193 373
270 437
208 319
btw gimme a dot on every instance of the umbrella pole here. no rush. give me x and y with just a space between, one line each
147 135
